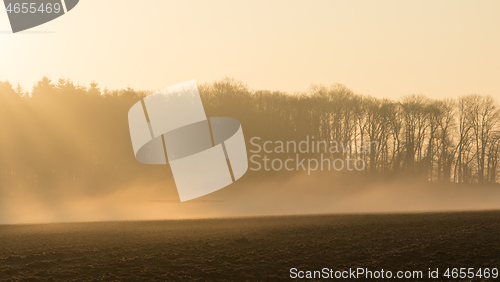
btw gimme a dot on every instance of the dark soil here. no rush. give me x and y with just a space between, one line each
249 249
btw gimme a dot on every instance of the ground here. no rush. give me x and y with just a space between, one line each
249 249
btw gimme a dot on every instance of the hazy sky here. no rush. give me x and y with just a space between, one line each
382 48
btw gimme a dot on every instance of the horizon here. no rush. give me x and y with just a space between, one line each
258 216
104 90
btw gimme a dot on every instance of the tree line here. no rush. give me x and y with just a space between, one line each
439 140
61 135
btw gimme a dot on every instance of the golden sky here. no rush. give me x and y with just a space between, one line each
381 48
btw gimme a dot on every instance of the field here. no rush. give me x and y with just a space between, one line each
248 249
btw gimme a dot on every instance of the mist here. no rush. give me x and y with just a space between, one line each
289 195
67 155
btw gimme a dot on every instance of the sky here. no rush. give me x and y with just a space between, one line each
379 48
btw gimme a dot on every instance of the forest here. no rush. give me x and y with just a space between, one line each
61 134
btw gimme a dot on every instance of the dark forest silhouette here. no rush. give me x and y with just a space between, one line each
62 135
